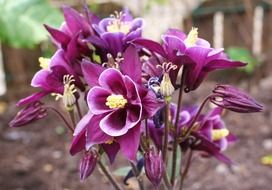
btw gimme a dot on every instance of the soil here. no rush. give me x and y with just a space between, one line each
36 157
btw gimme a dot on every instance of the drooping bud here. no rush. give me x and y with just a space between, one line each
229 97
154 166
87 164
32 112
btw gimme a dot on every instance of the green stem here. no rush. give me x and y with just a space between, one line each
109 175
186 169
137 175
72 117
175 144
78 110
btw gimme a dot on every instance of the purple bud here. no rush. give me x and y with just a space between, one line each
87 164
229 97
32 112
154 166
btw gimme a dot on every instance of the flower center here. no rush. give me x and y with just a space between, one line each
192 37
116 101
117 25
218 134
44 63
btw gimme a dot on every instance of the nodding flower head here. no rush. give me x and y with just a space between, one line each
68 96
118 25
192 37
166 87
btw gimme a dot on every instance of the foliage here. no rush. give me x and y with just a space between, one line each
244 55
21 21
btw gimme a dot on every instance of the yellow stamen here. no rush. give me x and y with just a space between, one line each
218 134
166 87
44 62
116 101
109 141
191 37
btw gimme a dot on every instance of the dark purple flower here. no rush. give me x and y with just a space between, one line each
56 77
194 53
115 32
117 104
154 166
87 164
229 97
32 112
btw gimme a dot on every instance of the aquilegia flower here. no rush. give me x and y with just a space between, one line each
229 97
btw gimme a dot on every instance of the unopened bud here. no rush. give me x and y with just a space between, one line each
87 164
154 166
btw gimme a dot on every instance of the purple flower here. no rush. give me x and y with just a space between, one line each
87 164
117 105
194 53
56 77
229 97
32 112
154 166
114 33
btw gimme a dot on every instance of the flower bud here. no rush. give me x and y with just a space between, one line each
87 164
166 87
231 98
32 112
154 166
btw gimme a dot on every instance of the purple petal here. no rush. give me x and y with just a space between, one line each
78 143
150 45
131 65
39 80
172 45
114 41
114 124
58 36
94 134
111 150
150 105
83 123
222 64
177 33
112 80
97 98
32 98
91 72
129 143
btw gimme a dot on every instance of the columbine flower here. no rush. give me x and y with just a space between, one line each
229 97
115 32
210 136
32 112
154 166
87 164
194 53
57 77
117 104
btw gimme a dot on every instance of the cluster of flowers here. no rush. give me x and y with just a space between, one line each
127 82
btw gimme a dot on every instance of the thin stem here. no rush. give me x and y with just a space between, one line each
165 144
146 134
72 117
186 169
166 132
190 128
78 110
62 117
175 144
109 175
137 175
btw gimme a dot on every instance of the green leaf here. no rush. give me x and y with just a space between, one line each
244 55
122 171
22 21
